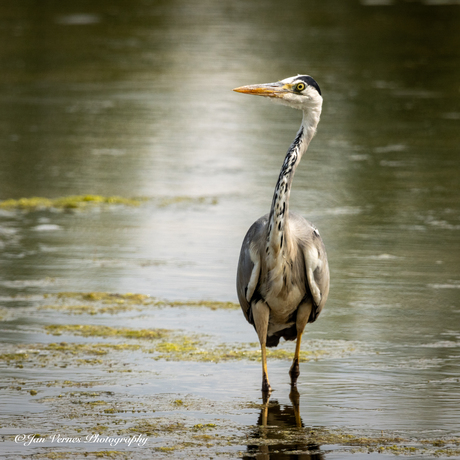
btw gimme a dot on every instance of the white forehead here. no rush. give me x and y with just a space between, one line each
290 79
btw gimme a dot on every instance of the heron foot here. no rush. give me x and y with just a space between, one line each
294 372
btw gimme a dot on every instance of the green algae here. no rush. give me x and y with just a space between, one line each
341 437
90 348
211 304
182 349
396 445
185 431
165 449
182 426
67 202
89 330
160 346
84 201
187 349
90 361
93 303
66 354
109 454
89 309
106 297
68 455
201 426
71 384
18 356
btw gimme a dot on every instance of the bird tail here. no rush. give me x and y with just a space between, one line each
290 333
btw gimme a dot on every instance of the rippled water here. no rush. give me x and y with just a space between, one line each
134 99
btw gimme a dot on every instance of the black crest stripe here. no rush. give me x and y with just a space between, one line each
310 81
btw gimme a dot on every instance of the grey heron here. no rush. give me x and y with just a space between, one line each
283 273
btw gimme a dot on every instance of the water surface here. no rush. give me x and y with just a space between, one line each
134 99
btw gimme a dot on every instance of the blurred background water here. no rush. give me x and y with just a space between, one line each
133 98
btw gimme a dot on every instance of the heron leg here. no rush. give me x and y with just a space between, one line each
264 413
294 372
303 313
261 314
266 388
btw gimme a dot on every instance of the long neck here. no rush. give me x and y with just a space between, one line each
279 213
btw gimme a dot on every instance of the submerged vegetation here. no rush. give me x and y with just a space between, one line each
104 302
67 202
92 366
84 201
160 344
195 427
89 330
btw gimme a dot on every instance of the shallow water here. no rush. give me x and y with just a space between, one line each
134 99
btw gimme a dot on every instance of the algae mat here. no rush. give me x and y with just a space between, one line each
80 388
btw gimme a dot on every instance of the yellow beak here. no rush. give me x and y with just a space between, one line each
269 90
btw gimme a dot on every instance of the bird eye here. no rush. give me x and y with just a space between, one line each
300 87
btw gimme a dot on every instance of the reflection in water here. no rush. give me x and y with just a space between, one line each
280 435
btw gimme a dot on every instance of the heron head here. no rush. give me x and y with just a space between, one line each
300 92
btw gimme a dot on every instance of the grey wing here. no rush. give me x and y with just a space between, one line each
248 272
316 265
